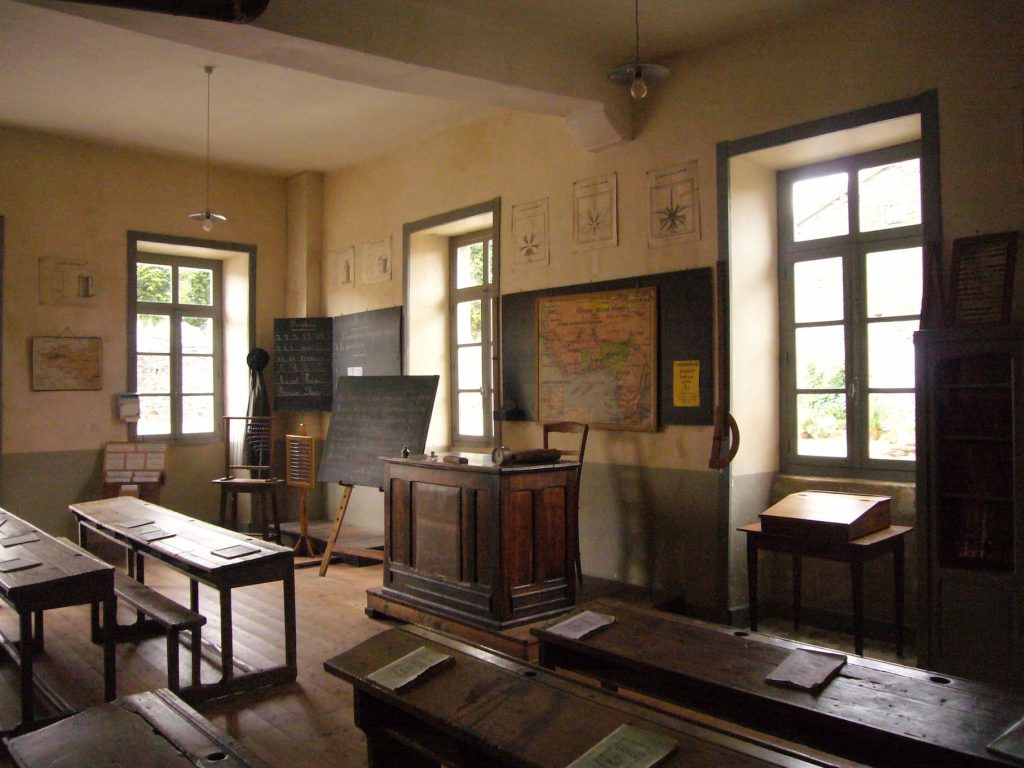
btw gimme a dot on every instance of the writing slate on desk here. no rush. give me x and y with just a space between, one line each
303 378
375 416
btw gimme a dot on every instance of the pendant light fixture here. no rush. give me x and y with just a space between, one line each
206 216
637 75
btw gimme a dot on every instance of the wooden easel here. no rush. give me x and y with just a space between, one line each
300 458
346 494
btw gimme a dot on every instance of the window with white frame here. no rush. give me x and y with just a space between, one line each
850 273
175 353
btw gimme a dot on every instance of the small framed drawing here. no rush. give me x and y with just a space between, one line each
982 273
67 362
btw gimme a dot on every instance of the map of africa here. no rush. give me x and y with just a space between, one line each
596 358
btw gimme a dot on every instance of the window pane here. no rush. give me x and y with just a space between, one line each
153 282
891 432
469 265
153 374
196 374
821 207
153 333
467 320
197 414
154 416
470 361
894 282
195 286
820 358
471 414
891 354
197 335
818 290
821 424
890 195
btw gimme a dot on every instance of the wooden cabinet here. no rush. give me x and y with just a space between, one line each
970 384
486 545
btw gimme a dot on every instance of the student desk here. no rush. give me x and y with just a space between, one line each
878 713
855 552
63 577
485 710
154 728
191 551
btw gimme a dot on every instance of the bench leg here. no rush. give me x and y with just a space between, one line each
37 634
898 576
25 664
857 579
172 660
197 655
798 577
752 581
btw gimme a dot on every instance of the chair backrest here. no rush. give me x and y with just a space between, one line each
572 447
248 445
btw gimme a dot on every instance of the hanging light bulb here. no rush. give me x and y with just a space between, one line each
637 74
206 216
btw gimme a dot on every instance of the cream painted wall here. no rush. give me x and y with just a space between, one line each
76 200
853 56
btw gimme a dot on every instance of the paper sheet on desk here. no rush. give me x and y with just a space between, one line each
581 625
807 670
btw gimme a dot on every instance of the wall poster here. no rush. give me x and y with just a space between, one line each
674 207
595 220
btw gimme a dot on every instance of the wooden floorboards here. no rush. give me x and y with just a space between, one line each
308 722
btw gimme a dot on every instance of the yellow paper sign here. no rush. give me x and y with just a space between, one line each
686 383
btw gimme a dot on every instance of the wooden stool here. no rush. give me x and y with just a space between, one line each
260 489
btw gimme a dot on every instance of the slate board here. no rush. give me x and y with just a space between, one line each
368 343
375 416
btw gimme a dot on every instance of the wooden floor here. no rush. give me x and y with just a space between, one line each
305 723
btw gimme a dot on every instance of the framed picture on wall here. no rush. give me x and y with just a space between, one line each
982 272
67 362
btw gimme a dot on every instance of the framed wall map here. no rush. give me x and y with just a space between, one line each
597 358
66 362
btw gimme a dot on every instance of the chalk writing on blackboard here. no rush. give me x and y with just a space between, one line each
375 416
368 343
303 378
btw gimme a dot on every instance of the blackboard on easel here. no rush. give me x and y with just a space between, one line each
375 416
368 343
302 364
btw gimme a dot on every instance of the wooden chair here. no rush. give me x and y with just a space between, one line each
572 449
248 468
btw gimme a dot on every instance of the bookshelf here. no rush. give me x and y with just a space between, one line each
969 500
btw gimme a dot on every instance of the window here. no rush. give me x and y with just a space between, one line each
850 271
471 302
176 351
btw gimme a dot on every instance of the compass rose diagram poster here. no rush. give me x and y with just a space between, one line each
597 358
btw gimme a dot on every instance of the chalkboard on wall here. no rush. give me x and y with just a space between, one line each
375 416
302 364
368 343
685 325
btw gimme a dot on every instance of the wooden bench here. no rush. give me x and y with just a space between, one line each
482 709
874 712
171 617
151 728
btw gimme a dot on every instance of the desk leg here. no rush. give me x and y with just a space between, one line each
25 665
798 577
857 579
223 505
109 648
227 660
290 656
752 580
193 595
37 634
898 576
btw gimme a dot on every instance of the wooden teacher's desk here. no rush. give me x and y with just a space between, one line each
205 553
486 545
875 712
842 527
37 573
480 710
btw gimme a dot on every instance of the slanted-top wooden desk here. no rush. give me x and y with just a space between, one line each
60 577
154 728
205 553
483 710
848 528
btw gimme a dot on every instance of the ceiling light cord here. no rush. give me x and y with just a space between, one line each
636 75
207 217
